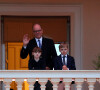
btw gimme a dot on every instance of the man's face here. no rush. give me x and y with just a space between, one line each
63 50
37 31
36 54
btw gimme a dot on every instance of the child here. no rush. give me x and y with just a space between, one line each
64 62
36 63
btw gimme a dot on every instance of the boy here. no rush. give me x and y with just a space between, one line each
36 63
64 62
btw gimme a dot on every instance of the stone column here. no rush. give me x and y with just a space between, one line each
43 82
91 82
67 82
55 82
31 83
79 82
7 83
19 83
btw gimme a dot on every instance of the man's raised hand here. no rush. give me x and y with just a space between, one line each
26 40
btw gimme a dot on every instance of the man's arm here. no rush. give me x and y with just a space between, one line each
23 53
24 50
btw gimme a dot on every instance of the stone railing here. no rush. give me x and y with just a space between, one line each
79 76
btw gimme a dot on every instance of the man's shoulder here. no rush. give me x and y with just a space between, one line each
32 40
47 39
57 57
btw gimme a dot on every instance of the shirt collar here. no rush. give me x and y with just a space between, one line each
63 55
38 39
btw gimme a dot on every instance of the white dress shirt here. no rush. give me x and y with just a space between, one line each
38 41
65 59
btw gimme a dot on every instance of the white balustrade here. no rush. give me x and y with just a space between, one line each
90 76
67 82
91 82
79 82
43 81
7 83
98 80
55 82
31 82
19 83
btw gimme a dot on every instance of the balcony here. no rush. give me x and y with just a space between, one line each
79 76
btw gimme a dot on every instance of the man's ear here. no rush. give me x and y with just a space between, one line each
42 30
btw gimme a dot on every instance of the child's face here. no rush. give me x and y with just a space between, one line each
63 50
36 54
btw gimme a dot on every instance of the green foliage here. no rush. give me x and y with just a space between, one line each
97 64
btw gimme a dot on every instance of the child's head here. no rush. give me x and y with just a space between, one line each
63 48
36 52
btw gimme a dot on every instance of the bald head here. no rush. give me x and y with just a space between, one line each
37 30
36 27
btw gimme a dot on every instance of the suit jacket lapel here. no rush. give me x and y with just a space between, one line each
43 42
34 42
60 60
67 60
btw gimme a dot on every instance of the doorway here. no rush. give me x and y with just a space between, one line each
54 27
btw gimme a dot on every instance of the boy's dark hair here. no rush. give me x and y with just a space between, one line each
63 45
37 49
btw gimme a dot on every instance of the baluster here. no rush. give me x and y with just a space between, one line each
31 83
79 82
67 82
43 81
19 83
98 80
55 82
7 82
91 83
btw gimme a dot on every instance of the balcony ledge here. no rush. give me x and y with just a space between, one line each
49 74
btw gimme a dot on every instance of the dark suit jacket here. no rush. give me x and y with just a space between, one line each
70 63
48 50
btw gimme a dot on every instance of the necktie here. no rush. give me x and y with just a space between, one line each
63 60
39 44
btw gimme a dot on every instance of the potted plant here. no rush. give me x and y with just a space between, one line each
97 64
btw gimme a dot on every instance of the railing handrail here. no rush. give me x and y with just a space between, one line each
25 74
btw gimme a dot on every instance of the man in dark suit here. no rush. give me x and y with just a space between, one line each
46 45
